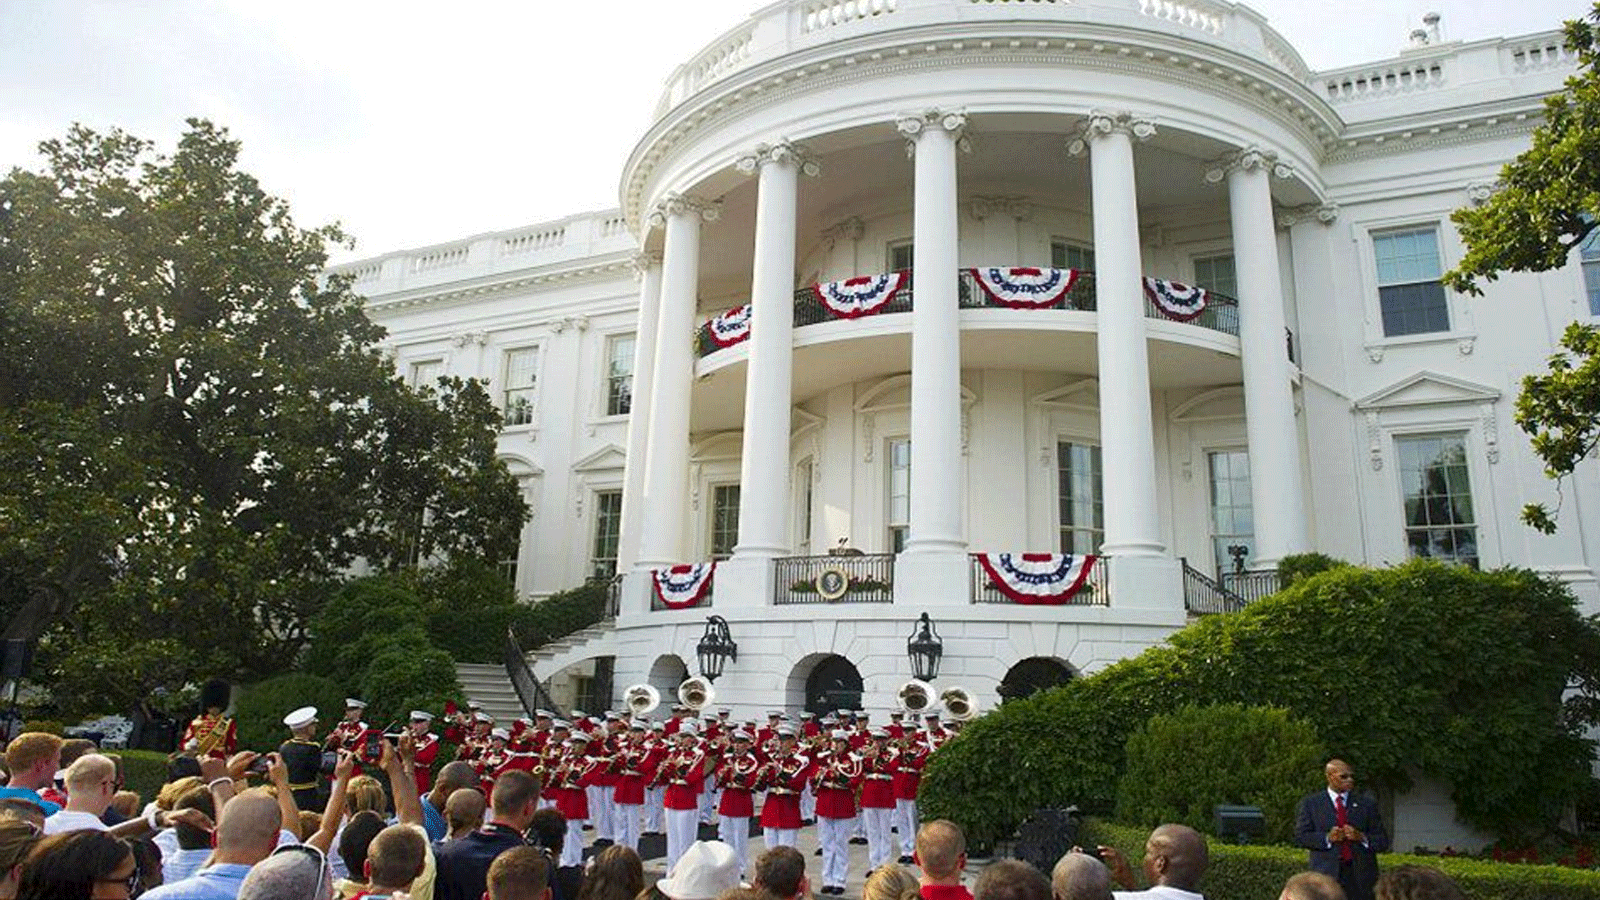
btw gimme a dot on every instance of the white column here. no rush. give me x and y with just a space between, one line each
764 465
1127 439
1276 493
648 266
665 497
936 483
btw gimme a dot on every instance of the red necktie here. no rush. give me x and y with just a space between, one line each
1345 853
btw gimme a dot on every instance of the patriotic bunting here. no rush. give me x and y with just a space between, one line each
1025 287
731 327
682 587
1047 579
1176 301
859 296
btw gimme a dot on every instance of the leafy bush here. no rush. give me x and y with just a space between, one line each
404 675
48 726
1180 766
560 614
1300 566
260 707
1454 673
468 606
364 611
143 771
1250 873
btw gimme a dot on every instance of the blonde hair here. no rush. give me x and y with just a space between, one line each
126 803
310 822
17 837
89 771
167 797
365 793
891 882
28 750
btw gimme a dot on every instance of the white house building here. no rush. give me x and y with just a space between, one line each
1121 285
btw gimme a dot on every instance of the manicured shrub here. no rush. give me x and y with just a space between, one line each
1181 766
259 708
403 675
1300 566
560 614
1456 674
143 771
364 611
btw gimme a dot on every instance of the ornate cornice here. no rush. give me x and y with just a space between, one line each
1326 213
850 229
782 153
1479 192
1099 123
643 261
1019 208
1249 159
606 269
684 205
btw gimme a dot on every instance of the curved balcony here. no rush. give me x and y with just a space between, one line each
1044 291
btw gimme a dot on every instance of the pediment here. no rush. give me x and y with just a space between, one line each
520 466
609 458
801 422
1211 406
1428 389
1081 394
894 392
719 445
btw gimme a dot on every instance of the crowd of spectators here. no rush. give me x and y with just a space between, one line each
230 829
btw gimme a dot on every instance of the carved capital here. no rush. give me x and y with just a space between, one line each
470 337
643 261
1249 159
684 205
1325 213
1019 208
1479 192
781 153
913 127
850 229
1099 123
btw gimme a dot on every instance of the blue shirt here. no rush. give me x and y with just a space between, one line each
432 822
49 808
215 882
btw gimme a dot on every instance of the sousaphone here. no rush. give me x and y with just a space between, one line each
959 703
696 693
914 697
641 699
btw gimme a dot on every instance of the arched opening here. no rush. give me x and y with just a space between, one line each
1032 675
666 673
833 684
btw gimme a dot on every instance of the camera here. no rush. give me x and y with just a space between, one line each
1091 852
259 765
372 747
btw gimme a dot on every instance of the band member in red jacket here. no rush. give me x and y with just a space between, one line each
737 773
427 744
572 777
784 778
684 774
912 757
836 782
879 760
628 768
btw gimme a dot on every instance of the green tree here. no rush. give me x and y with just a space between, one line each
199 431
1547 203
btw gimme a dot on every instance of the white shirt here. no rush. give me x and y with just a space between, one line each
68 820
1159 892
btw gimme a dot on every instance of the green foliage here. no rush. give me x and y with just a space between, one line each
143 771
468 608
1250 873
1230 753
1298 566
259 708
561 614
198 431
365 613
1441 670
47 726
1561 410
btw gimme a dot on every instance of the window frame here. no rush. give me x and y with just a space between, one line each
597 497
1379 235
1099 500
1586 265
414 365
1068 245
505 388
890 526
714 491
1377 343
1477 525
1211 510
1198 259
607 377
894 246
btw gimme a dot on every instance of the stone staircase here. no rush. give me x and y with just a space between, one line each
579 645
487 684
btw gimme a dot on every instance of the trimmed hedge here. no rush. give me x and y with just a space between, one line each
260 708
143 771
1254 872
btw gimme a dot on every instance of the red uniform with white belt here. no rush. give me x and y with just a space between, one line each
738 774
835 783
684 775
878 764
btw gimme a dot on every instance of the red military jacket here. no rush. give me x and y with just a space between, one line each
427 751
908 770
785 777
877 778
211 736
738 775
684 774
627 766
835 783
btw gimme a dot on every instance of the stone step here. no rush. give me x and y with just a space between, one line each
488 686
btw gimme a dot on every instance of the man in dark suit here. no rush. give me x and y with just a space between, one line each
1344 832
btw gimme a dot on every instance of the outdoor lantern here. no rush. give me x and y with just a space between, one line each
924 648
716 647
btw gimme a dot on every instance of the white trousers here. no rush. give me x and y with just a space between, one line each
600 810
906 820
880 843
808 803
780 837
834 836
683 825
735 832
654 803
572 845
626 824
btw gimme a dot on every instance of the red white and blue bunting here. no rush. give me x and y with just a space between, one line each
1025 287
731 327
681 587
1176 301
859 296
1047 579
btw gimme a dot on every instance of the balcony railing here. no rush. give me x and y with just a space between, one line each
1203 596
1095 590
1253 585
863 578
1221 312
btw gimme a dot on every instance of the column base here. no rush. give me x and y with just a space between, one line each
1146 582
1134 548
743 583
932 579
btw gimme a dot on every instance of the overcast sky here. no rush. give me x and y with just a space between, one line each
414 123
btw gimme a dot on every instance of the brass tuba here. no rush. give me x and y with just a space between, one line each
696 693
959 703
641 699
914 697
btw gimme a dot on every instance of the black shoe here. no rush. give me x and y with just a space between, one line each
819 853
906 861
858 841
602 843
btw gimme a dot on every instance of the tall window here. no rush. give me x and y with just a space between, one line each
1440 522
1232 517
899 460
1409 291
1215 273
607 534
521 385
802 507
426 373
1067 255
508 571
1078 489
619 374
1589 252
724 520
902 255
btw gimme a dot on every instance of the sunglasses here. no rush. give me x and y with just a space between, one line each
314 853
131 882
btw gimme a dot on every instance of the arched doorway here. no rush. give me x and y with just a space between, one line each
666 673
1032 675
833 684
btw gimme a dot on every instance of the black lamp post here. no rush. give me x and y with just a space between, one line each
716 647
1238 552
924 648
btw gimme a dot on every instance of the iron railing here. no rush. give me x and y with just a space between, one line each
530 690
1203 596
1252 585
613 597
1095 591
1221 312
867 578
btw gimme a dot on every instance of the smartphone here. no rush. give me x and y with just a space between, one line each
259 765
373 749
